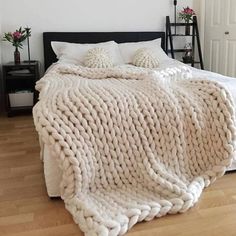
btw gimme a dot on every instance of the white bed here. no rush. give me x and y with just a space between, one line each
51 169
121 142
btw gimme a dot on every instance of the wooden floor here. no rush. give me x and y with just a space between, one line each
26 210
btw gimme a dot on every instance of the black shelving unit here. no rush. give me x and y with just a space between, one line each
194 34
16 79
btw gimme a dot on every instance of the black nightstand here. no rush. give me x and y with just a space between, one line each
19 86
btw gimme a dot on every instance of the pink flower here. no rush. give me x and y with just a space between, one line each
188 11
17 35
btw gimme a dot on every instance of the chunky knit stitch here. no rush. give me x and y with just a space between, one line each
135 145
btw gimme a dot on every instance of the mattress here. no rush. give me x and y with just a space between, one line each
52 171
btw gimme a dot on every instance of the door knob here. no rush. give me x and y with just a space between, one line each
227 32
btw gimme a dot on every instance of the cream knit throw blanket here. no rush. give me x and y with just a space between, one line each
133 144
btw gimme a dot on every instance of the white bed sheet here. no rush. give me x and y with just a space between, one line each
52 171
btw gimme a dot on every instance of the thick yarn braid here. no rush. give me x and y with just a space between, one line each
133 144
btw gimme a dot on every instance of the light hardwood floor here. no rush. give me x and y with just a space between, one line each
26 210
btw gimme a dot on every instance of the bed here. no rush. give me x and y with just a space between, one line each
129 142
51 169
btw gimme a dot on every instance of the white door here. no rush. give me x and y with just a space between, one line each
220 36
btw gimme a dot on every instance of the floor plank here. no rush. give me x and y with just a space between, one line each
26 210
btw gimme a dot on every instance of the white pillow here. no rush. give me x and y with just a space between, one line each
98 58
145 58
128 49
74 53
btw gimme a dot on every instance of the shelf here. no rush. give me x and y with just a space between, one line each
29 90
193 33
182 35
22 64
20 108
196 62
28 76
181 24
178 50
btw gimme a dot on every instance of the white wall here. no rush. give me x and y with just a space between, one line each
81 15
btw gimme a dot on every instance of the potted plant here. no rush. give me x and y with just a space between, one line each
16 38
187 15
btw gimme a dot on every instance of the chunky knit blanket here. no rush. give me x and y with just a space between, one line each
133 144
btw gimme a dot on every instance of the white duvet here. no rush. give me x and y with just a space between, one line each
228 82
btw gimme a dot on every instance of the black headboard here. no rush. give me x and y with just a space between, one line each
94 37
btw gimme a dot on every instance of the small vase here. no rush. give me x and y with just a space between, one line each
187 59
187 28
17 56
